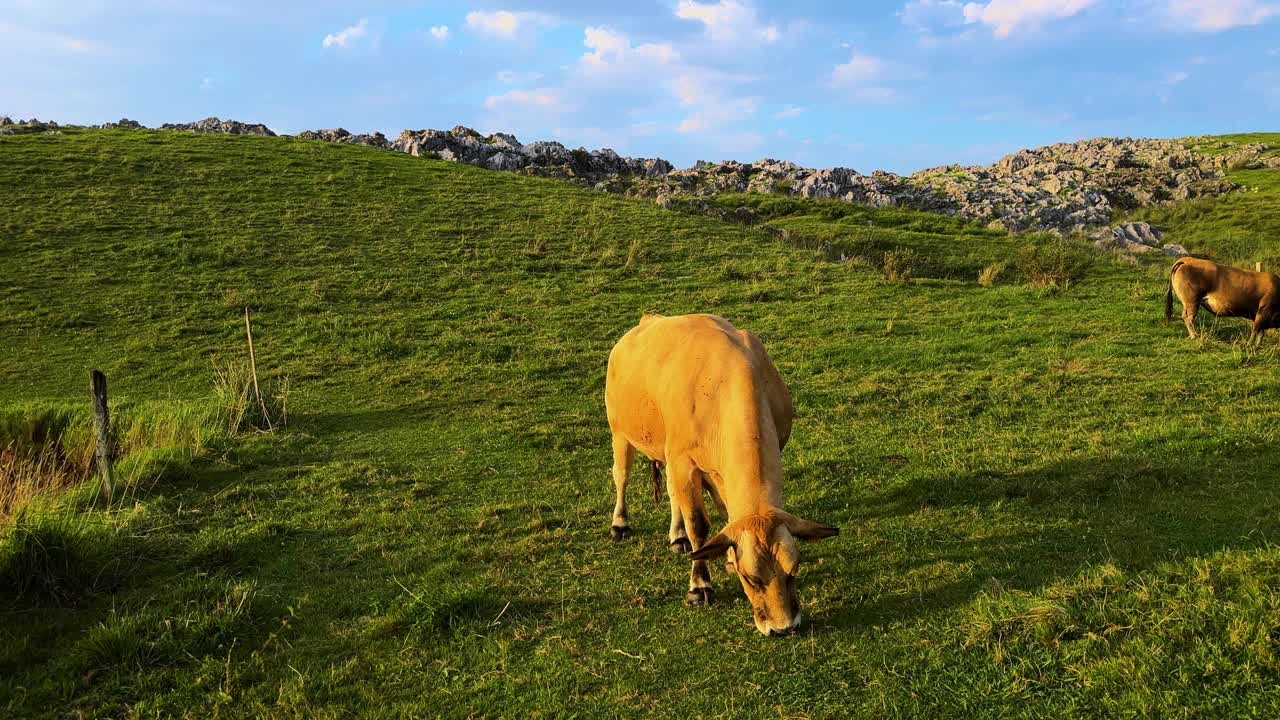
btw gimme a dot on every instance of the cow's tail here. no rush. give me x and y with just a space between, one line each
1168 294
657 480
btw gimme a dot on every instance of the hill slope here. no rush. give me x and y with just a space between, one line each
1048 498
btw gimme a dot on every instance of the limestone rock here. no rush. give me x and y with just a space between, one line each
213 125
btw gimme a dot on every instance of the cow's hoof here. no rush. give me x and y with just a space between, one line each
620 532
681 546
698 597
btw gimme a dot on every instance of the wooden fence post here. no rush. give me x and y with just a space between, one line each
1258 266
102 430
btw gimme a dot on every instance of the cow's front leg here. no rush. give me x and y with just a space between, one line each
679 539
622 456
684 483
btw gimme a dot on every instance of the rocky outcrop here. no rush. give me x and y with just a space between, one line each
339 135
213 125
503 152
1072 186
124 124
9 126
1136 238
1068 187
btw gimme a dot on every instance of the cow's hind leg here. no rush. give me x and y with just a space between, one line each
684 483
622 456
1189 310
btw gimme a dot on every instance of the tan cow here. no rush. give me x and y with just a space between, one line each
703 398
1224 291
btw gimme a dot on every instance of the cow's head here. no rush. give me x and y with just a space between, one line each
762 550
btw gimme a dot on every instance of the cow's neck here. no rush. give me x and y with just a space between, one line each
751 468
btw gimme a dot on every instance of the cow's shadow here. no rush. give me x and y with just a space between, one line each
1127 510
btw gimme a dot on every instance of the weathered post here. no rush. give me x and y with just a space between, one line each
102 431
1258 266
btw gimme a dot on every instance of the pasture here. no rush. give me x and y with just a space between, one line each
1050 499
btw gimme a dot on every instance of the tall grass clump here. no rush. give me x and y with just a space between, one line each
242 407
990 274
1054 263
898 266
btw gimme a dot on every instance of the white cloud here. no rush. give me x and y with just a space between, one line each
511 77
621 139
859 71
505 24
728 21
864 78
788 112
613 54
615 63
16 37
1009 16
928 15
440 32
347 34
1219 15
542 99
207 84
1177 78
719 113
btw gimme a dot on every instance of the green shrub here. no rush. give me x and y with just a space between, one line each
899 266
990 274
1054 263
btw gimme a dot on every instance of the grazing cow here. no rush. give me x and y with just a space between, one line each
702 398
1224 291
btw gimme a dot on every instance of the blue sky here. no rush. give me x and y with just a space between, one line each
897 85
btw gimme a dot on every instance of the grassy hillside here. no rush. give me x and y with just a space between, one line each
1242 228
1049 498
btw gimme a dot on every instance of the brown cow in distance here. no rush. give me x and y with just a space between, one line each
703 398
1224 291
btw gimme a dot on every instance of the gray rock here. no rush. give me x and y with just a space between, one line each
1175 251
505 162
1139 232
340 135
212 125
123 124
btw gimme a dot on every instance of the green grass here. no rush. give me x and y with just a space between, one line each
945 247
1051 501
1226 144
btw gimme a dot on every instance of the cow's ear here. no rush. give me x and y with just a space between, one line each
808 530
715 547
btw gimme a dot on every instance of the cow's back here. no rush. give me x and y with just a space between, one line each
668 376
